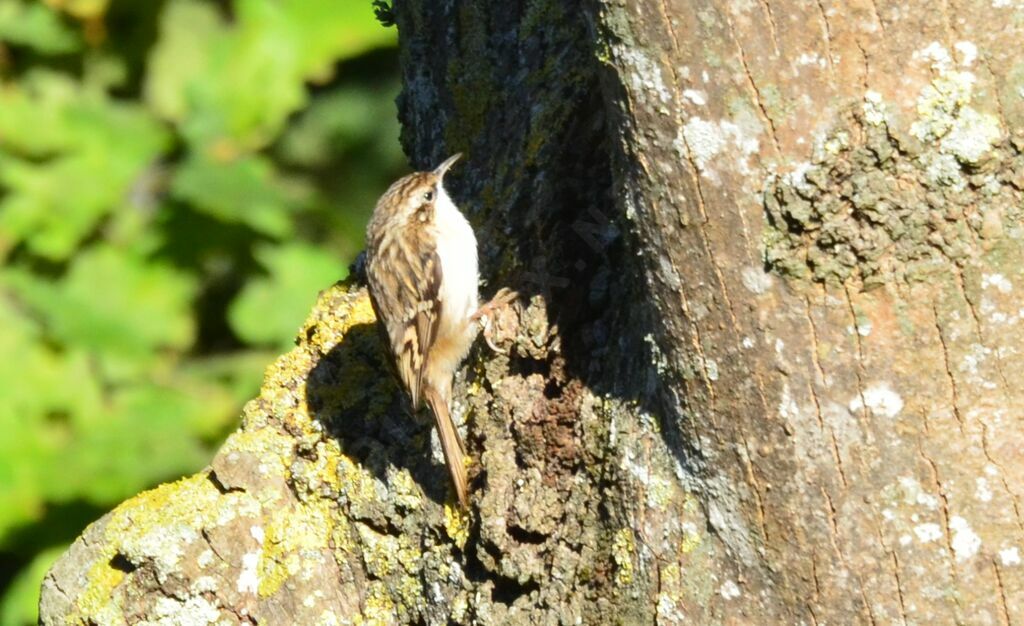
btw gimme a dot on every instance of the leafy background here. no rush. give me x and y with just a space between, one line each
178 180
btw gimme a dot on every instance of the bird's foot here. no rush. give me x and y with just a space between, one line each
504 297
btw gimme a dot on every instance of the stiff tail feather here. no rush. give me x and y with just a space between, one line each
451 443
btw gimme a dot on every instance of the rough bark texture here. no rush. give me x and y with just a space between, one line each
765 369
854 415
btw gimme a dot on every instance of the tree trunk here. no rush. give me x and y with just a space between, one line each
764 369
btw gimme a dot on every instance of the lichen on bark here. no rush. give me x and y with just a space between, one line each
883 200
671 433
330 506
228 545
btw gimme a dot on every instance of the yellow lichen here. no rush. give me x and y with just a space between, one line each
409 590
460 605
456 524
338 312
160 524
101 580
409 555
691 539
439 555
293 536
136 528
670 597
649 421
341 536
297 419
380 551
327 455
659 492
407 492
353 389
944 115
837 143
283 376
334 314
396 559
354 481
274 449
691 506
623 547
311 478
182 499
379 608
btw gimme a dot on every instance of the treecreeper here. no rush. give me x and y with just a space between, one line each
423 276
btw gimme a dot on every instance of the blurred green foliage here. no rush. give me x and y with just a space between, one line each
178 180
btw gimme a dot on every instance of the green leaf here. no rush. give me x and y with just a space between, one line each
23 451
232 87
349 138
20 604
67 158
223 383
181 56
82 9
65 439
120 306
344 120
34 385
140 439
327 30
244 190
35 25
270 309
34 109
129 223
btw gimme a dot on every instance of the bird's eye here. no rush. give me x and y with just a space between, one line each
428 196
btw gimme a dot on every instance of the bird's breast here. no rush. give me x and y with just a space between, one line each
456 248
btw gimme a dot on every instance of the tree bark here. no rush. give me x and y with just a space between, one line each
764 369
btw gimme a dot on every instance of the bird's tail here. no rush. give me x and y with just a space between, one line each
451 443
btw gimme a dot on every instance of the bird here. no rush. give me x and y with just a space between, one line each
423 279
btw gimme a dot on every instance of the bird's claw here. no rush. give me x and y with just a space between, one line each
482 316
503 297
485 323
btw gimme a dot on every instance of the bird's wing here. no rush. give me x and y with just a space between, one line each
405 292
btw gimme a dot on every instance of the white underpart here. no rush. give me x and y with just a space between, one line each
456 246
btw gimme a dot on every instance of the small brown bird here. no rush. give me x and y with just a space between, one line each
421 266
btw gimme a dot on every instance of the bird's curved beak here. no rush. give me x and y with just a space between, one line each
442 169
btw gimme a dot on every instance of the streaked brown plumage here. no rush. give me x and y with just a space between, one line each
421 265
